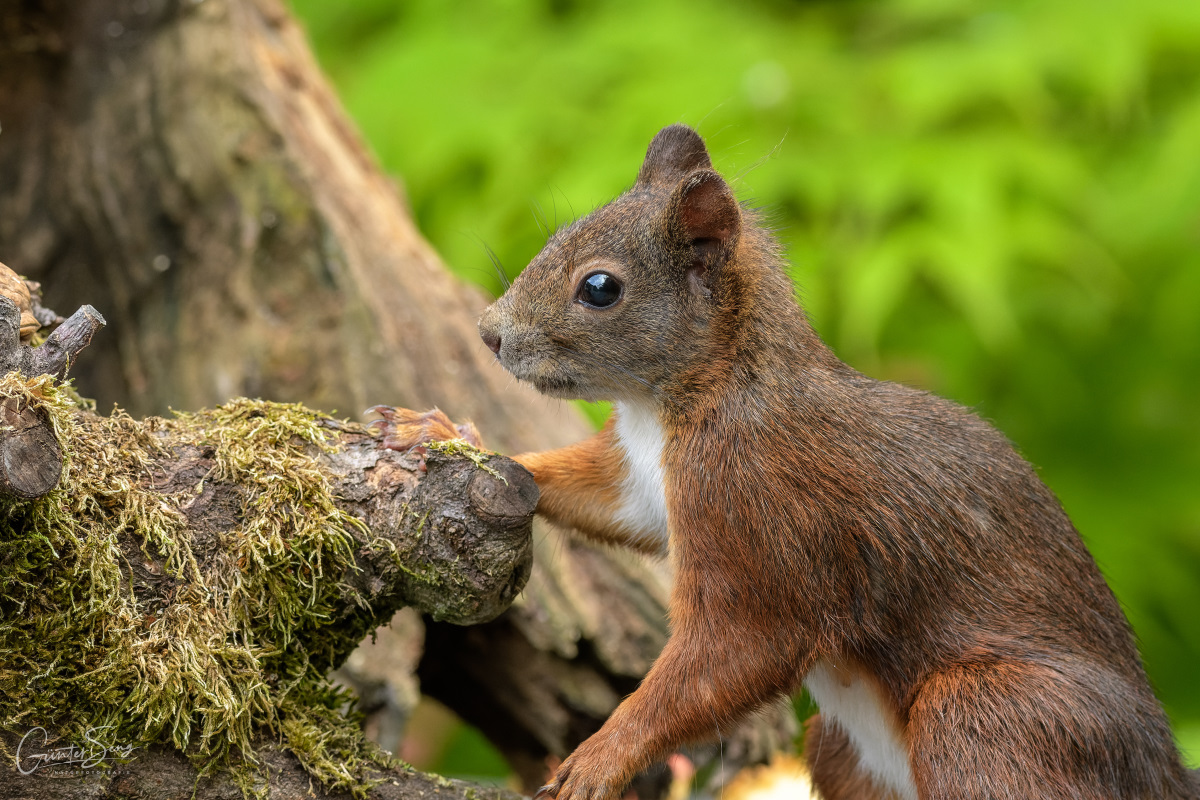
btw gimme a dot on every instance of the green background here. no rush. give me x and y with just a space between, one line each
999 202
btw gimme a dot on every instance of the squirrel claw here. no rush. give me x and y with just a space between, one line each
544 792
409 431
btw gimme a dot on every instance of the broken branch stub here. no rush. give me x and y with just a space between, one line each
462 531
30 455
56 355
21 314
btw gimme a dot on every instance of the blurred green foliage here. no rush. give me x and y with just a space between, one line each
999 202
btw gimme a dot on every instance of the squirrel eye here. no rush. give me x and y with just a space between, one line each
599 290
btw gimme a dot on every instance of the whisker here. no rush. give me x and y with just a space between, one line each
704 119
539 217
772 153
570 206
479 275
500 271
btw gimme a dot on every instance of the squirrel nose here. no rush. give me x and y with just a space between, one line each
492 340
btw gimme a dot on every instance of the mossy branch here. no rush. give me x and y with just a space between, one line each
190 582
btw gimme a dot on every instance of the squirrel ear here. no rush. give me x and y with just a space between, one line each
704 210
705 215
674 152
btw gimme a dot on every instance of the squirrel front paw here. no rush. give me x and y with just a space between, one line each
590 773
409 431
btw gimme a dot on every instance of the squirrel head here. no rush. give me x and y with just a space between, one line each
624 303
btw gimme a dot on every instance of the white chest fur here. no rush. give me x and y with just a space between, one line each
643 508
856 705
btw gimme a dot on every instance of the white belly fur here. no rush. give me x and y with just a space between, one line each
850 699
643 507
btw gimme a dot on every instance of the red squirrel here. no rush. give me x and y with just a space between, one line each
881 545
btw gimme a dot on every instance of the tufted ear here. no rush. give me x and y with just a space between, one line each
705 216
674 152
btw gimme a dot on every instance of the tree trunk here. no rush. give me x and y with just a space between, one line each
183 166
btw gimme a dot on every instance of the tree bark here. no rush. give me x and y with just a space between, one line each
183 166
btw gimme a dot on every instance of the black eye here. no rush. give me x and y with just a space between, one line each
599 290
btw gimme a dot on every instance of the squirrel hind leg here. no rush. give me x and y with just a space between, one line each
1024 729
833 761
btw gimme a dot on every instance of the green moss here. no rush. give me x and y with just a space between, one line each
80 649
461 447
